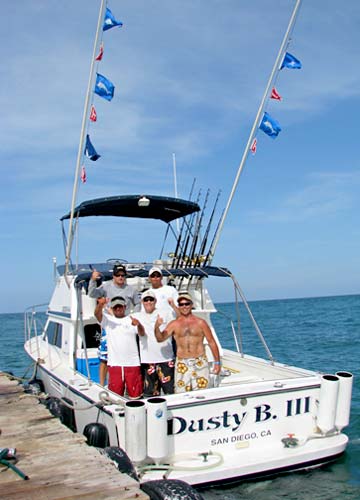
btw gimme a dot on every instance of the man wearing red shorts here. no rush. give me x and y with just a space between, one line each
123 355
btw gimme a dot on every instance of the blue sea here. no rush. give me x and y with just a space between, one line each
321 334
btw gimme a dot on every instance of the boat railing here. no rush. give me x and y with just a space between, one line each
33 323
238 336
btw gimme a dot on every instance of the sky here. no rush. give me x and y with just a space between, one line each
189 77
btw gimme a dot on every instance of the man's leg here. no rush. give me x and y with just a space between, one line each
182 376
102 371
151 382
133 381
200 373
116 379
165 373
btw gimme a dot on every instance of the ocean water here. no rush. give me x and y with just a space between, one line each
321 334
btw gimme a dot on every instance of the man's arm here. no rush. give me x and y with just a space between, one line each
135 299
213 346
166 333
93 291
140 327
99 308
174 307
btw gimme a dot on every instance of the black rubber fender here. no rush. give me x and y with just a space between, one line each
170 489
121 460
96 435
54 406
67 416
34 386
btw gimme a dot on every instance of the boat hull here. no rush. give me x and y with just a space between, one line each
223 439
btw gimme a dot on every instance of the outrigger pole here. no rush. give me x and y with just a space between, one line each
82 137
256 123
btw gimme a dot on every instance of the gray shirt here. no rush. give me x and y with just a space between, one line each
110 290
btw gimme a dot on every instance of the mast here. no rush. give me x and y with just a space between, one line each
256 123
82 137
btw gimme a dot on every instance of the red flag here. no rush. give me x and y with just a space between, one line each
101 52
275 95
253 146
93 115
83 175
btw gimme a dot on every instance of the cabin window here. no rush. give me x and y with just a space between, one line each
54 333
92 335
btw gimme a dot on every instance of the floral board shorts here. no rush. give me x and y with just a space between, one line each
191 374
158 376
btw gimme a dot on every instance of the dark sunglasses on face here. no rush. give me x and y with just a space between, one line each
119 275
155 275
185 304
148 299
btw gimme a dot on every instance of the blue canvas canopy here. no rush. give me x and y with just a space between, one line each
84 272
139 206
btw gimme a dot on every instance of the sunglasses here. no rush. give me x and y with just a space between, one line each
185 304
148 299
119 275
155 275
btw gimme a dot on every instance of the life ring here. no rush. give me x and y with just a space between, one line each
170 489
121 460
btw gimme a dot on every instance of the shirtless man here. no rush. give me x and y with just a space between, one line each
189 331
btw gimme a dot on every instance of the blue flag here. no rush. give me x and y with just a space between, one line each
270 126
103 87
291 62
90 150
110 21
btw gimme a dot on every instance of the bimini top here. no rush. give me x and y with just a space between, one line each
140 206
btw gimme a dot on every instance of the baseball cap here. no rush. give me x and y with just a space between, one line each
118 301
118 268
185 295
155 270
148 293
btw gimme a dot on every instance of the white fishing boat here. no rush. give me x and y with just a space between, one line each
259 417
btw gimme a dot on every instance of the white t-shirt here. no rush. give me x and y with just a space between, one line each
121 341
162 294
152 351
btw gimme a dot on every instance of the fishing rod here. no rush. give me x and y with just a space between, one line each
210 252
182 257
195 239
207 232
179 238
197 229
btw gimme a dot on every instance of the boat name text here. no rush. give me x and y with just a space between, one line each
233 421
